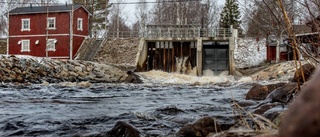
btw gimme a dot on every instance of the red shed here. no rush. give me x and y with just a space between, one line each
46 31
285 52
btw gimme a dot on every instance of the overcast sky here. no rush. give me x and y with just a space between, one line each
129 9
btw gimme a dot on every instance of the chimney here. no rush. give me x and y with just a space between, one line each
31 5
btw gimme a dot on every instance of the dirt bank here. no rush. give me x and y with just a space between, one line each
119 52
3 46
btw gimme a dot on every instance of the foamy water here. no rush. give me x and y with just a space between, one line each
161 77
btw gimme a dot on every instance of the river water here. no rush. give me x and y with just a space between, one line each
154 109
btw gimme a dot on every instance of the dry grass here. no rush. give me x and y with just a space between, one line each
248 124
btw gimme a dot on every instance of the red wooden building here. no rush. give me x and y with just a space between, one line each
46 31
285 52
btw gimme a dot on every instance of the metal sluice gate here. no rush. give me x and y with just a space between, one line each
171 56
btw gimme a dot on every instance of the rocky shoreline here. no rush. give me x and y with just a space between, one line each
262 100
39 70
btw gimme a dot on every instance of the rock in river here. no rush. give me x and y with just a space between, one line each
303 116
200 128
260 92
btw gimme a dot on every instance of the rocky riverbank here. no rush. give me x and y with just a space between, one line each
39 70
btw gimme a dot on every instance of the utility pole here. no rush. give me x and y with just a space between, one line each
47 30
71 33
118 23
8 17
106 19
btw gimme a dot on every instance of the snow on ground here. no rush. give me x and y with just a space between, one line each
249 53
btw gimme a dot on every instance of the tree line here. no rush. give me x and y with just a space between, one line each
253 18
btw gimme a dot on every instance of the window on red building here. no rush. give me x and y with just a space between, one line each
79 24
51 45
51 23
25 25
25 45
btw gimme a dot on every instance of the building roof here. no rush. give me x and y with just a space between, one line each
43 9
301 29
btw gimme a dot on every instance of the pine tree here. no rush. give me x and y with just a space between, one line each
230 15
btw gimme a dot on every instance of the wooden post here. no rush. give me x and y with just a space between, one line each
153 54
164 56
168 67
172 57
156 56
181 50
190 51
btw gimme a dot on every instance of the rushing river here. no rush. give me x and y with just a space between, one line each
159 107
155 110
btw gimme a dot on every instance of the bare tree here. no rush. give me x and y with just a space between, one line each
177 12
156 13
141 16
117 25
213 13
181 12
267 18
311 14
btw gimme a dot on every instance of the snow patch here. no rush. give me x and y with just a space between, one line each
249 53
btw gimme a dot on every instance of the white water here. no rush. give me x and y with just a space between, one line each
161 77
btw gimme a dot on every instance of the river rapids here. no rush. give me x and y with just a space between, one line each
154 109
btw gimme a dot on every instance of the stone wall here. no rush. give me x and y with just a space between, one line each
37 70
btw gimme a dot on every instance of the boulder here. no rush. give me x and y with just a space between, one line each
200 128
275 114
303 116
279 97
260 92
307 70
282 94
122 129
246 103
265 107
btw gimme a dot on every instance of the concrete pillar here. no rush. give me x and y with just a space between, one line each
278 52
199 56
232 42
142 54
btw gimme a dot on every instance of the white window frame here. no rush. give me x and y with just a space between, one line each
283 48
54 23
51 44
80 24
23 25
25 45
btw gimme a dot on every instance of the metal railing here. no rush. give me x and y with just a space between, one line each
124 34
172 33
